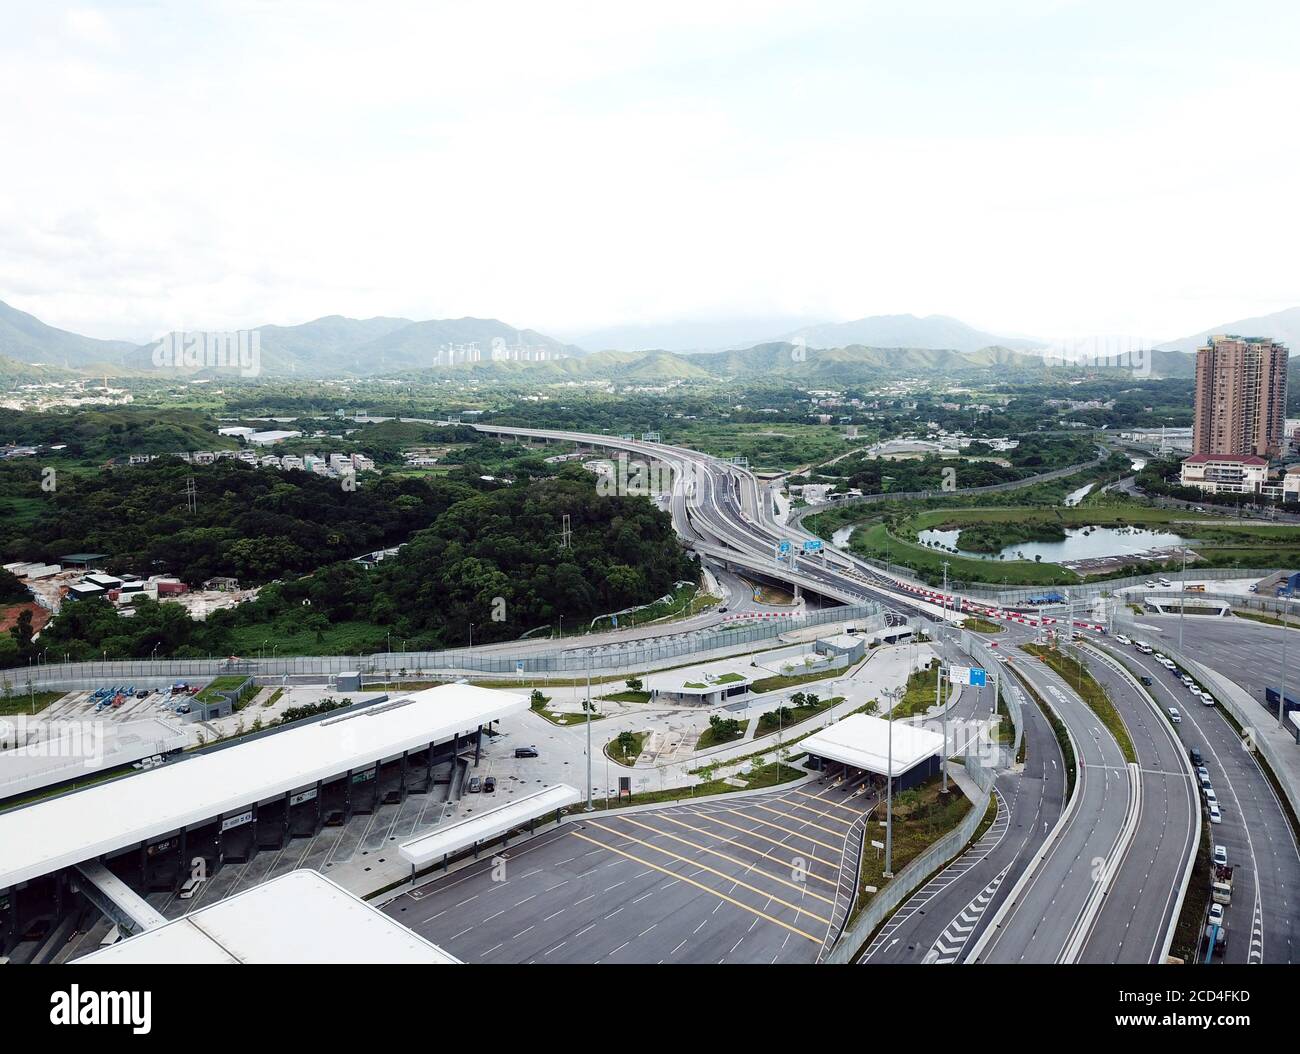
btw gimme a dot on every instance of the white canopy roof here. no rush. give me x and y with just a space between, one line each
301 917
58 832
863 742
453 837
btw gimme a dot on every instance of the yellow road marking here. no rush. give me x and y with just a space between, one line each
739 863
698 885
799 819
787 830
713 871
855 813
741 845
830 816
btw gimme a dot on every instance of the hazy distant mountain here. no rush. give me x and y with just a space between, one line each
689 336
27 339
935 332
328 346
416 344
14 372
1281 325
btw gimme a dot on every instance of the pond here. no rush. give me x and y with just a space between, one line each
841 537
1081 543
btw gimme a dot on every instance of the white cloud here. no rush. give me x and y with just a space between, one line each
1056 169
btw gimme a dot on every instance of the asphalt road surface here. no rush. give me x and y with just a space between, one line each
1264 916
944 918
758 879
1142 905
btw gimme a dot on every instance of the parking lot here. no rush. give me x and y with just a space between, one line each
762 878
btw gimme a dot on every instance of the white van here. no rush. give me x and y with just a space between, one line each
190 888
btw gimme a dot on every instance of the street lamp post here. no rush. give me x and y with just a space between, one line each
1281 698
892 696
587 707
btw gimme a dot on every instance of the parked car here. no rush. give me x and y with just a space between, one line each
475 785
1123 639
1203 773
1216 915
1145 680
1174 716
525 752
1204 781
1220 856
1215 815
1150 584
1194 756
1207 699
190 887
1210 797
489 785
1187 681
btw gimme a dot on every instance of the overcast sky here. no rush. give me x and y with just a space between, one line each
1038 167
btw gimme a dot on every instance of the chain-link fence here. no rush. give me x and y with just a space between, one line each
633 655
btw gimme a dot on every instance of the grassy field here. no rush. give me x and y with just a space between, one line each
686 601
767 445
26 703
919 694
921 817
710 738
628 696
1076 675
779 682
981 625
876 542
770 724
770 775
627 757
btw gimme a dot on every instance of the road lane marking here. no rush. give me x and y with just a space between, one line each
730 859
701 886
787 830
749 848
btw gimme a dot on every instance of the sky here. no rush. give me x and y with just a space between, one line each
1037 167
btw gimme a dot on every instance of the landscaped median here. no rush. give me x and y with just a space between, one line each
922 816
1075 673
759 778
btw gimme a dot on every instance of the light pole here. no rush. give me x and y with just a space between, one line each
943 713
1281 698
892 696
1182 599
587 706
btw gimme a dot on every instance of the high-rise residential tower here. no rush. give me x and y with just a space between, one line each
1240 397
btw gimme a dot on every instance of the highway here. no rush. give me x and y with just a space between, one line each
1255 830
1137 921
1051 913
946 916
1097 879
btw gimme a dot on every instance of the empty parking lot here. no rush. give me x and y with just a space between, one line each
762 878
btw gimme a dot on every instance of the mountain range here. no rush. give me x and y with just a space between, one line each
338 346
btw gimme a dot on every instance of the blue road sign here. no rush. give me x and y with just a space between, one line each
812 545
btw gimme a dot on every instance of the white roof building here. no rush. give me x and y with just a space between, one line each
863 742
106 817
298 918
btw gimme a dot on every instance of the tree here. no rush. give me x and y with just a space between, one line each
633 684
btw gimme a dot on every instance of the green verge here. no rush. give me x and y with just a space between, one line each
1075 673
1058 728
922 816
758 779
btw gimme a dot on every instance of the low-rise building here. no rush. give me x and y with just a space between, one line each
1225 473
